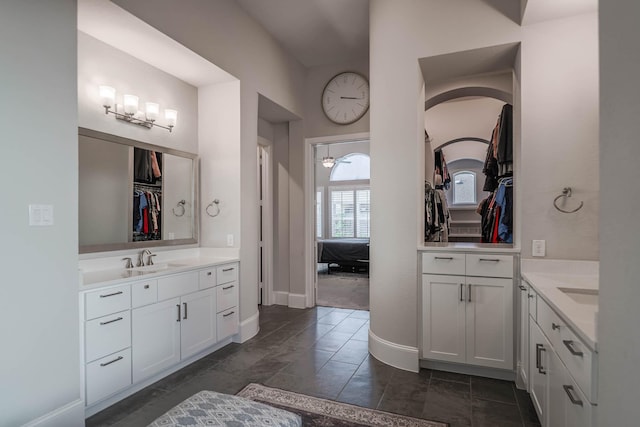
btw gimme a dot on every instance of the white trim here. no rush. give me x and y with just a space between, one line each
297 300
267 221
310 256
71 414
281 298
397 355
249 328
463 368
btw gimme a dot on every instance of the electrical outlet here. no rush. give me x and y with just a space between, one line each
539 248
229 239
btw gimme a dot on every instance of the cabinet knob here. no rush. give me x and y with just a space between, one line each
531 296
554 326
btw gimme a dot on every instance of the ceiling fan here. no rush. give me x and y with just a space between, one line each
329 161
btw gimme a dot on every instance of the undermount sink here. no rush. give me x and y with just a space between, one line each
582 296
158 267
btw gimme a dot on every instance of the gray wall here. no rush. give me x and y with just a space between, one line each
40 370
618 337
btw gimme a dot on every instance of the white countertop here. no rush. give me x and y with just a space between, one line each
468 247
547 276
96 273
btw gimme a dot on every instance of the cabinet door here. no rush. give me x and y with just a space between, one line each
198 329
556 373
538 366
155 338
443 317
489 321
523 336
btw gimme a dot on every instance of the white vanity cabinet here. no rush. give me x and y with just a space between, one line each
467 308
561 370
139 331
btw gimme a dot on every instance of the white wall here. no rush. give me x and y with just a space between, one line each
221 32
40 369
618 337
101 64
316 122
402 32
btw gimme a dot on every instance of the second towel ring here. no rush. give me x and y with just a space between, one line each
215 204
566 193
180 204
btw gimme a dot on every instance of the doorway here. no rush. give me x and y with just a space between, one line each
341 223
265 222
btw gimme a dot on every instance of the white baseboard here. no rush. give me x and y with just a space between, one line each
297 300
249 328
462 368
396 355
71 414
281 298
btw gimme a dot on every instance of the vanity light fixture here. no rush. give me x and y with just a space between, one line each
131 114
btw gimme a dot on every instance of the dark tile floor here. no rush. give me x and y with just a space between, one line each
323 352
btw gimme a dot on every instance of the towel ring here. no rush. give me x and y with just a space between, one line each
215 204
180 204
566 193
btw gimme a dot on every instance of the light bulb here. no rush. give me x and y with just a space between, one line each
152 110
107 96
171 116
130 104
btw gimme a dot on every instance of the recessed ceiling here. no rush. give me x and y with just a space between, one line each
543 10
315 32
116 27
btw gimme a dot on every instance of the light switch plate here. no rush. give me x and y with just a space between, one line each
41 215
229 239
539 248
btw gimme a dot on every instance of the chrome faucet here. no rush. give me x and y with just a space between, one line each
141 258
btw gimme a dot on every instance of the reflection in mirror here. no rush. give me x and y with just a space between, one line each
134 195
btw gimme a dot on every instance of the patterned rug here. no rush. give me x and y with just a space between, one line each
321 412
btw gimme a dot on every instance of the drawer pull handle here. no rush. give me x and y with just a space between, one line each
531 296
461 290
224 270
111 295
178 305
146 286
569 345
522 288
569 390
448 258
469 292
554 326
228 314
110 321
227 287
489 259
112 361
185 311
208 273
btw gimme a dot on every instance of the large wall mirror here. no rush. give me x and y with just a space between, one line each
133 194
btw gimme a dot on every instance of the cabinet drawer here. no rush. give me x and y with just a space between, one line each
208 278
489 265
107 301
108 375
550 323
175 286
443 263
144 293
532 296
579 360
107 335
579 412
227 273
227 323
226 296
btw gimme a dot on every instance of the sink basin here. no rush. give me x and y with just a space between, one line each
582 296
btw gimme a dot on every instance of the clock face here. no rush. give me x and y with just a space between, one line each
345 98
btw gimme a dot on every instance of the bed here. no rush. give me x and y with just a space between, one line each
344 252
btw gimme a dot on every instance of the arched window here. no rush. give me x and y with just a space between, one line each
464 188
351 167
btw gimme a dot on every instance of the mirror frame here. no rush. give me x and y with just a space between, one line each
107 137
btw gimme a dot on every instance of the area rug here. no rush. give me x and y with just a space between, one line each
343 290
321 412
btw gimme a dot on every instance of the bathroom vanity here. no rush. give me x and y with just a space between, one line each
140 324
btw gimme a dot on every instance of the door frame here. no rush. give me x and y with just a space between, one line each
309 207
267 220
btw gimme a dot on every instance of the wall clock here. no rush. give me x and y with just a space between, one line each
345 98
